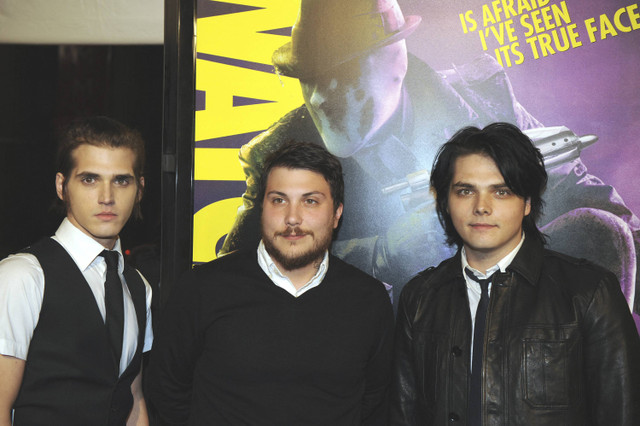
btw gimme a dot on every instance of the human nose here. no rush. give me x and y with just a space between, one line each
483 204
106 194
293 216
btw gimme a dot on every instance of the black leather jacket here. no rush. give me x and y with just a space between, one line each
560 346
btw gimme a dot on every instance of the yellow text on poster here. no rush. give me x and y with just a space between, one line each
237 36
222 82
210 224
245 35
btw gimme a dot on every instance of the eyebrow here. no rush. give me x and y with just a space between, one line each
82 175
462 185
306 194
501 185
125 175
87 174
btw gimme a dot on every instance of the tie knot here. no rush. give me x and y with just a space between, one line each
484 282
111 259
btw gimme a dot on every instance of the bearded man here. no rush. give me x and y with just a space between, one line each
384 113
286 335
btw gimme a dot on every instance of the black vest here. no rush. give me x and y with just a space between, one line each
70 376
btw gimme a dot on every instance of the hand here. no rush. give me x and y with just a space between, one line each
416 241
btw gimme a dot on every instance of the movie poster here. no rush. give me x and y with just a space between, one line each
566 72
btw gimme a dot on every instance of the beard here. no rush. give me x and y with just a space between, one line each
291 262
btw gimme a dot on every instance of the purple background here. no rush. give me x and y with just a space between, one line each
592 89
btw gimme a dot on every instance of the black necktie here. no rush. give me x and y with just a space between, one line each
475 390
114 303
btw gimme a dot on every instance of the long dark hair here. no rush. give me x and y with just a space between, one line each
520 163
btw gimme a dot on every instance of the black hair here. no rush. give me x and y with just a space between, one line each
519 161
306 156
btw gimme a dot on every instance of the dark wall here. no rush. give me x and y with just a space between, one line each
42 88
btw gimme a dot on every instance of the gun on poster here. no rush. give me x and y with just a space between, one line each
558 145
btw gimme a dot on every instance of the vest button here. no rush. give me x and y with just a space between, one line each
456 351
453 417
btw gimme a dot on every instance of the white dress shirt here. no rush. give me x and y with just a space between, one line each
22 291
473 288
278 278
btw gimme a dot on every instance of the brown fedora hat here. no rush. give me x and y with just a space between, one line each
328 33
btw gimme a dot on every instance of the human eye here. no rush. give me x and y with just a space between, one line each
122 180
88 179
503 192
311 201
464 192
277 200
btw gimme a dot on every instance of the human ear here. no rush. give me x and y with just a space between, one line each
337 215
60 185
527 206
140 188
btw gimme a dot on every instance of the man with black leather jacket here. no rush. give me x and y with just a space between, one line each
384 112
506 332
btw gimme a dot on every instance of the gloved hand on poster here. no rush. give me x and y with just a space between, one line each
413 243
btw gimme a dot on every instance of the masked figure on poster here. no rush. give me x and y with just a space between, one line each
385 112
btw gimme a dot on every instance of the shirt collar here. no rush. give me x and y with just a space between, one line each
82 248
278 278
500 266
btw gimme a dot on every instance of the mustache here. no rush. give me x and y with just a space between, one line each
294 230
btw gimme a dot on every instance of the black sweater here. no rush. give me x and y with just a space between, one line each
235 349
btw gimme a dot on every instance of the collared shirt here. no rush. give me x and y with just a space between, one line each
278 278
473 288
22 291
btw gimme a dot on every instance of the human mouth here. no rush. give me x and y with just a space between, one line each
106 216
482 226
293 234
